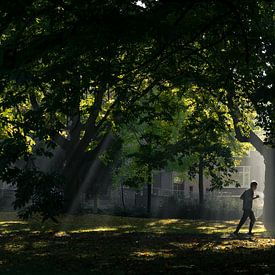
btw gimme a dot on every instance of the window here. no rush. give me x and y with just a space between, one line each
178 185
242 176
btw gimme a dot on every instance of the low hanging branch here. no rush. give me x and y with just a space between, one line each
237 119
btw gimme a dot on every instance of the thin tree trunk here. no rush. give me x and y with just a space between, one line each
149 189
201 191
122 196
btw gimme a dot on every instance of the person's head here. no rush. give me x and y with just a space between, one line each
253 185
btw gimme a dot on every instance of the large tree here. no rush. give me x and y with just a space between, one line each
246 87
72 70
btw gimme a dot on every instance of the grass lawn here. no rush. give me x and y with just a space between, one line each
100 244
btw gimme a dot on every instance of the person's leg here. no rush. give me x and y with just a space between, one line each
242 221
252 221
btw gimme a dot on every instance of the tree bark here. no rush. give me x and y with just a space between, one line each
268 154
81 171
269 190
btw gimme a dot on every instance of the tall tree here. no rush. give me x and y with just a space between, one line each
71 71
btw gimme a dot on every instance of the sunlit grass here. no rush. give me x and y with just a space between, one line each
105 223
154 254
14 247
98 229
95 243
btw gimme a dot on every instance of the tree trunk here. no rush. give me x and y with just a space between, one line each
72 185
80 178
269 158
149 188
81 171
269 191
201 191
122 196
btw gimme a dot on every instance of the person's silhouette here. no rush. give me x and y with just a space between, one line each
248 197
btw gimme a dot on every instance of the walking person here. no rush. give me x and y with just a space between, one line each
248 197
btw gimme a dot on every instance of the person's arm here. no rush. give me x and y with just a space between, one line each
242 195
256 197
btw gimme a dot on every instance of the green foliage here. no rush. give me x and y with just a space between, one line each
198 127
37 192
73 72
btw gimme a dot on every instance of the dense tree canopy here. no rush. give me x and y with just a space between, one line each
73 71
174 134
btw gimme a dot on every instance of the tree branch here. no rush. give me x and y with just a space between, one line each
234 111
75 127
256 142
34 102
90 125
61 141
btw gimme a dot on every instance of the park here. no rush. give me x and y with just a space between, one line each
137 137
91 244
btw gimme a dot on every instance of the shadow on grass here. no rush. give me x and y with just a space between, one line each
94 244
95 223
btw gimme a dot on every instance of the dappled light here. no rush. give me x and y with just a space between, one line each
153 242
150 255
137 137
95 223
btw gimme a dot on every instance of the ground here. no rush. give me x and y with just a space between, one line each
100 244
